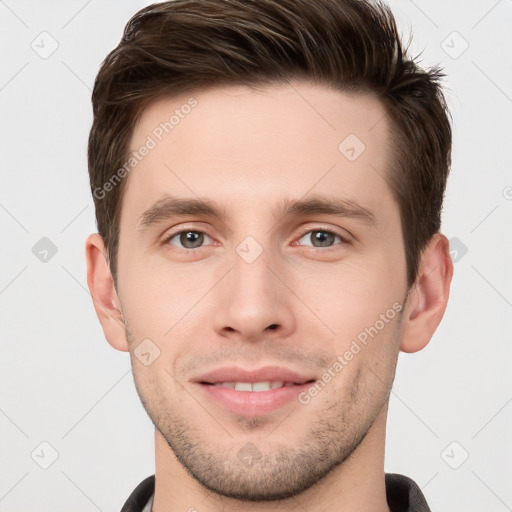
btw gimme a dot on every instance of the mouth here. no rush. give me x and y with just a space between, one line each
253 393
261 379
257 387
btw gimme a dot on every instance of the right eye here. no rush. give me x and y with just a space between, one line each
189 239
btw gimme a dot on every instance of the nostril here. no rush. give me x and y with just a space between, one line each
273 326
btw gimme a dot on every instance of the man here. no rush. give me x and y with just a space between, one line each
268 180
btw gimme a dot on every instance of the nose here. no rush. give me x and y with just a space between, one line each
253 302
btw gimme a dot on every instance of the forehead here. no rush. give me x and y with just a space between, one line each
238 145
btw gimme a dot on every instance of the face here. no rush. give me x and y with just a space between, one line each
294 259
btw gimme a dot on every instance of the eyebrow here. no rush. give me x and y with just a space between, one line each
172 206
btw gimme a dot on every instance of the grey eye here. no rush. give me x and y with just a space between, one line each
189 239
320 238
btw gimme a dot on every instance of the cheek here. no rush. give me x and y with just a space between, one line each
363 365
163 301
350 296
362 308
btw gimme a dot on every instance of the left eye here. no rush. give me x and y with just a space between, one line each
189 239
321 237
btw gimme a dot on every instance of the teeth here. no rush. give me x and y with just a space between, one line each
243 386
256 386
226 384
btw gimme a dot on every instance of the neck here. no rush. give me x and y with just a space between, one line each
358 484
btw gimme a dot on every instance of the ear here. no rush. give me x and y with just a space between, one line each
103 293
428 297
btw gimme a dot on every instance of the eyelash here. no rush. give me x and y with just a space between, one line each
344 239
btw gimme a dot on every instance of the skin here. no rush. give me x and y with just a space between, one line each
247 150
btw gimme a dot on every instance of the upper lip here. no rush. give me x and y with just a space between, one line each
267 373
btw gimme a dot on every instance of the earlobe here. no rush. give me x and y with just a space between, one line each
105 299
428 298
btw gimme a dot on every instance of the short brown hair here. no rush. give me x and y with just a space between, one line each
352 45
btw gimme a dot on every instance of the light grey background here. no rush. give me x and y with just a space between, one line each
60 381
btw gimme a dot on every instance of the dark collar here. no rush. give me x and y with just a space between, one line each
402 494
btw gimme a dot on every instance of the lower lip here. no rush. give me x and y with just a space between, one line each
253 403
